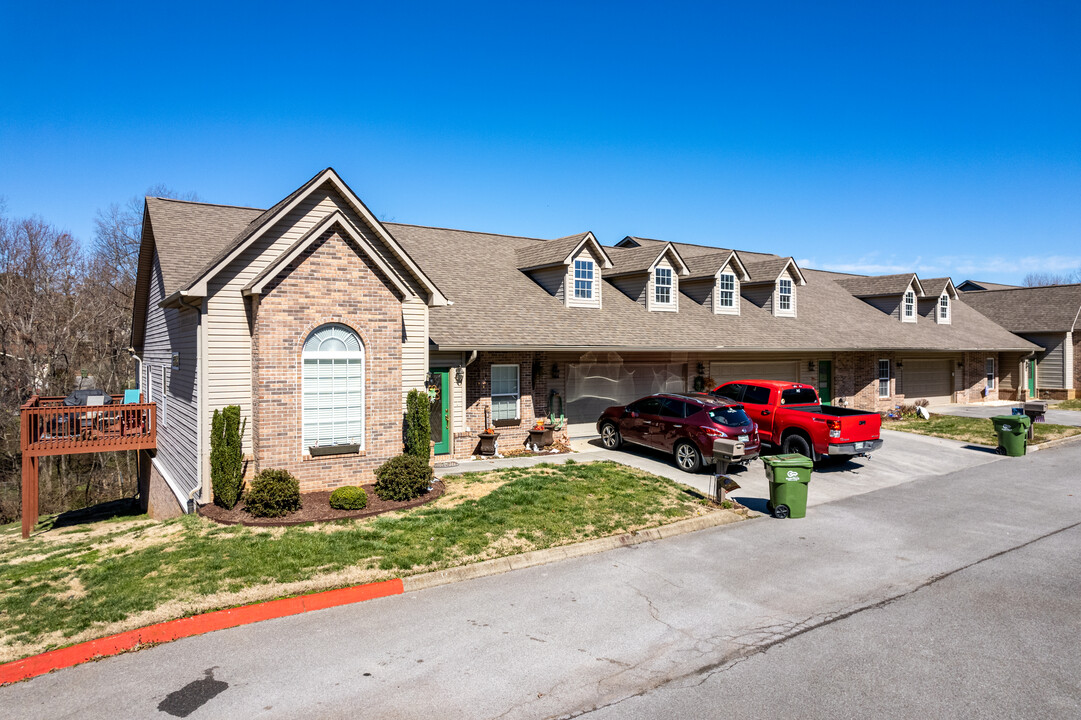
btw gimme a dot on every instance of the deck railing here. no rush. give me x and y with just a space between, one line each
49 427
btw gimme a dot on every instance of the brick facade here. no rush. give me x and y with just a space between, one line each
330 282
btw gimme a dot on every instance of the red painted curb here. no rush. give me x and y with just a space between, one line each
189 626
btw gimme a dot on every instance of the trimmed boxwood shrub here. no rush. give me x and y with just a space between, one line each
349 497
273 493
404 477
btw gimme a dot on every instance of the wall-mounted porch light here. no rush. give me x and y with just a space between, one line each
459 374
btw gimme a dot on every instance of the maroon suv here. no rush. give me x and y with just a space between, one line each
684 425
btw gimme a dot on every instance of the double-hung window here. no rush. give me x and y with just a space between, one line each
505 392
944 308
333 387
883 378
662 286
583 279
910 305
164 400
727 296
784 295
990 369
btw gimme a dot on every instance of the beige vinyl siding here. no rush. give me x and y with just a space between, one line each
228 329
651 303
595 301
1009 372
414 346
1051 362
760 295
891 305
170 330
702 291
553 280
633 286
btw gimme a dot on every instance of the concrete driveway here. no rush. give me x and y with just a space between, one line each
903 457
1056 417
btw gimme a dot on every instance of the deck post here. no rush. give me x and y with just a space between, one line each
30 494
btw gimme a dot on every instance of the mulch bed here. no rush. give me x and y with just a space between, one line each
315 507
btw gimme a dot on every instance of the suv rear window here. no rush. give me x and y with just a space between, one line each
799 396
731 415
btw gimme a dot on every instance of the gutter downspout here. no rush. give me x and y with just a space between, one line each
200 379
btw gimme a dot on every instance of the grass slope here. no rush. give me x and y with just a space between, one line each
973 430
67 586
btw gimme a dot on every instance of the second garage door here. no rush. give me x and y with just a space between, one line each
783 370
928 379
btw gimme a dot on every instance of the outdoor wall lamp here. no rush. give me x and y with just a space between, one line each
810 366
555 370
459 374
899 365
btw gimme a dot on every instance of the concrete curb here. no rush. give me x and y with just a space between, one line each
168 631
1054 443
502 565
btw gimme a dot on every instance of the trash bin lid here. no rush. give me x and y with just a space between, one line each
789 460
1020 420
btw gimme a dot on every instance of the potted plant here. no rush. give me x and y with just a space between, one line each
488 437
540 435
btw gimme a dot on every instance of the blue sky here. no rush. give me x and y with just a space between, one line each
943 138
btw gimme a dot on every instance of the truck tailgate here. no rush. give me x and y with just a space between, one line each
858 428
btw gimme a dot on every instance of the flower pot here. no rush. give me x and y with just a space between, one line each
541 437
487 442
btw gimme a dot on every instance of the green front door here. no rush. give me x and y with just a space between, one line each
440 412
825 381
1032 378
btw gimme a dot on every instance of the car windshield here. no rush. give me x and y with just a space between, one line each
799 396
730 415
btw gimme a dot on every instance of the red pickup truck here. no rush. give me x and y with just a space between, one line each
790 416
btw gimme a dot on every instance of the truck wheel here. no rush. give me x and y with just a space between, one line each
780 512
798 444
610 437
687 457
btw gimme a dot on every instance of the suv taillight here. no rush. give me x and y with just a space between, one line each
713 432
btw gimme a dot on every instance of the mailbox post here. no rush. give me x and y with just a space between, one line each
725 452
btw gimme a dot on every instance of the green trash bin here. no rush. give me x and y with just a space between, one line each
788 476
1012 434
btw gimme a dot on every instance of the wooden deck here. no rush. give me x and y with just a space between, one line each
49 427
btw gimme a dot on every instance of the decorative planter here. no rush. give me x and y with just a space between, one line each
320 450
487 442
541 437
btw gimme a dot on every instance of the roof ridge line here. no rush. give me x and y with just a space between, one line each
476 232
200 202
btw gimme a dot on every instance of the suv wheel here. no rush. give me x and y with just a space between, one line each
687 457
610 437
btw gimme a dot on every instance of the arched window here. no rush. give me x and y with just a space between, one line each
333 387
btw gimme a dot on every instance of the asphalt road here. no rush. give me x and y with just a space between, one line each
949 596
1055 417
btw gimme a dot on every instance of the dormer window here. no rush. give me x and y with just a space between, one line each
944 308
726 296
909 309
662 286
584 271
784 295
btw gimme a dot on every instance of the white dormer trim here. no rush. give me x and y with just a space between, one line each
727 272
784 287
653 288
585 257
908 303
944 308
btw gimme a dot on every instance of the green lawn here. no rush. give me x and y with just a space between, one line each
72 584
973 430
1074 404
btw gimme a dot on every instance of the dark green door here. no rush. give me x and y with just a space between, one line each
825 381
1032 378
440 417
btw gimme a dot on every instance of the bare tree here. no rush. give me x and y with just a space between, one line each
1035 279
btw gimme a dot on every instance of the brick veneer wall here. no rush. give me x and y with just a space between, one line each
330 282
855 380
533 398
974 378
156 499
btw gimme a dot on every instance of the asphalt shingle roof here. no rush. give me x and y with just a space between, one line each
548 252
873 285
1050 308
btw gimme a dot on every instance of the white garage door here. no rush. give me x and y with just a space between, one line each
927 379
592 387
783 370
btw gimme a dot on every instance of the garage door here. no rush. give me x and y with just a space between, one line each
592 387
927 379
783 370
